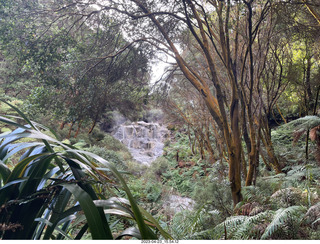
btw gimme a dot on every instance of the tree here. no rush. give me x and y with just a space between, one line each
300 30
229 83
212 35
76 70
232 41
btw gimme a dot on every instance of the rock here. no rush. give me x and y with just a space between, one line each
144 140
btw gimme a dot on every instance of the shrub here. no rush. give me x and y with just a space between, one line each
215 195
157 168
51 190
109 155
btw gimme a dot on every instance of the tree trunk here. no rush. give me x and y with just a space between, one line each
267 142
309 102
235 177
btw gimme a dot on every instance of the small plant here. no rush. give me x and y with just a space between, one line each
51 193
281 224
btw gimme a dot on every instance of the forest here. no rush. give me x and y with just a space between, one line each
223 95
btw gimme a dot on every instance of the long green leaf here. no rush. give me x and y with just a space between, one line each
20 146
13 182
279 219
4 171
57 211
152 220
96 224
20 168
113 203
45 221
118 212
132 231
11 122
36 173
146 232
34 126
20 113
81 232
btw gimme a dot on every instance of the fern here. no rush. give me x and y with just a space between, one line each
249 193
306 123
186 224
315 222
281 218
197 220
254 194
241 227
292 132
246 229
230 225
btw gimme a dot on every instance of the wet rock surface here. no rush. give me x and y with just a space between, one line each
145 141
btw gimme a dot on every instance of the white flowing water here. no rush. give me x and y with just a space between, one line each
145 141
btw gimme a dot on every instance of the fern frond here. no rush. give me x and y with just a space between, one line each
280 218
234 221
315 222
231 223
249 193
245 231
307 123
198 218
203 235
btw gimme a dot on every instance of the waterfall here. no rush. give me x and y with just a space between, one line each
145 143
144 140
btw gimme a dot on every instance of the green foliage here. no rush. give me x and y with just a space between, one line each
285 223
6 109
186 225
284 135
241 227
153 191
157 168
146 190
255 194
180 182
111 143
281 224
52 188
41 100
215 195
109 155
291 142
181 146
72 72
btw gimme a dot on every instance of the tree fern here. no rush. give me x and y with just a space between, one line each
280 219
285 134
307 122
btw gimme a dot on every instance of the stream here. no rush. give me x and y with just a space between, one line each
145 142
